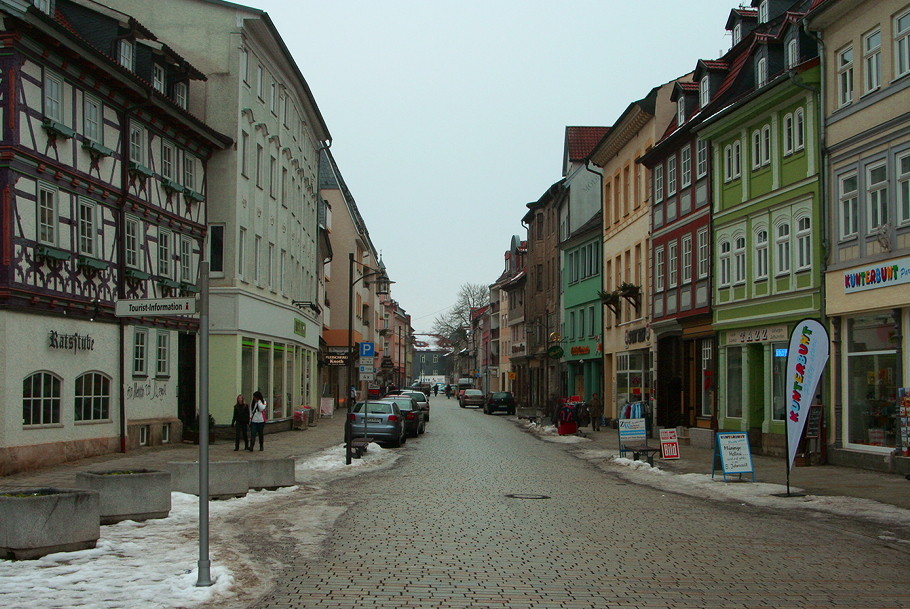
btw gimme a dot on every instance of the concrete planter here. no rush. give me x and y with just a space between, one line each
271 473
129 494
226 478
37 522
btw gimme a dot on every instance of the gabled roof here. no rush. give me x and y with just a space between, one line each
580 141
741 14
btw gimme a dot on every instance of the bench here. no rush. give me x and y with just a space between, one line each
359 446
638 450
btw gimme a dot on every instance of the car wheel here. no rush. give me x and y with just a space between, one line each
422 429
461 405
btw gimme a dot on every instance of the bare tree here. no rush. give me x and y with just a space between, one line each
455 324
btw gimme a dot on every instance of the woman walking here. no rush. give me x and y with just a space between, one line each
241 422
257 419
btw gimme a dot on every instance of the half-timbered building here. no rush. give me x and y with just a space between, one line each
102 192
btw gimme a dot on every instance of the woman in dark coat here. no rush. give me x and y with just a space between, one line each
241 422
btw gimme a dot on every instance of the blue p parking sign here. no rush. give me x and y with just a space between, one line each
367 350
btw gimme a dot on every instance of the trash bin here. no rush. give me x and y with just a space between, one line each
314 416
301 418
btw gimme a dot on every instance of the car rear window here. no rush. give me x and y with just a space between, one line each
473 392
502 394
404 404
374 407
416 395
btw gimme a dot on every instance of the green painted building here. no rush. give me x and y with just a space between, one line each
767 230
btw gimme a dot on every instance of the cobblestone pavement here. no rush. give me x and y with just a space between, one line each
441 530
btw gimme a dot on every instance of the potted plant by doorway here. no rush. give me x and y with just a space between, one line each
191 431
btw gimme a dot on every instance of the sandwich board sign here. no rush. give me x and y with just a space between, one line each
735 454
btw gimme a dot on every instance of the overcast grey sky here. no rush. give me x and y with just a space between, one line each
448 117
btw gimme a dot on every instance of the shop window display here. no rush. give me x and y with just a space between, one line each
873 370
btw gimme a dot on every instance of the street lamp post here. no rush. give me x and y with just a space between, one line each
382 287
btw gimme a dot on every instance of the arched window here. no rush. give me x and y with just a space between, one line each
724 257
761 254
783 248
803 244
739 258
41 399
93 397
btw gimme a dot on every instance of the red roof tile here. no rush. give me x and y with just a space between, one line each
580 141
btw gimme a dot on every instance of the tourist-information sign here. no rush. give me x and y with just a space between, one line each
151 307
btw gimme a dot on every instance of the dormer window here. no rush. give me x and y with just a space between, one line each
158 78
45 6
704 91
680 111
180 95
761 72
737 33
763 15
792 53
126 53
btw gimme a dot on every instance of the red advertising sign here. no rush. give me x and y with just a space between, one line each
669 444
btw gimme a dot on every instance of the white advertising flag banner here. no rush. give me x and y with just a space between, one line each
806 360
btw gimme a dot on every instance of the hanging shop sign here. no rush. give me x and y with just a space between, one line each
638 335
555 352
70 342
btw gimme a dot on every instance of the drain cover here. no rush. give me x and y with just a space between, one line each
526 496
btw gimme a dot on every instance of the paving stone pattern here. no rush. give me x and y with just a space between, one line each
439 530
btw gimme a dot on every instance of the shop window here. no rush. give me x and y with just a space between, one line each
779 380
873 371
734 382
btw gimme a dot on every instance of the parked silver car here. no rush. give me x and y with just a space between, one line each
379 420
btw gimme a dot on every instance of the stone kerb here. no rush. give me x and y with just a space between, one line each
37 522
271 473
139 494
226 478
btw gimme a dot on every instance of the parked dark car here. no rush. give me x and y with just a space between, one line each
422 400
472 397
500 400
414 417
379 420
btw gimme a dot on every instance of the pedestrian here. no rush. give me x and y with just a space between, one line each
435 390
352 394
257 420
448 391
596 408
567 419
241 422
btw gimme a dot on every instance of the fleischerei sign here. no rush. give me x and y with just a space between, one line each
806 359
894 272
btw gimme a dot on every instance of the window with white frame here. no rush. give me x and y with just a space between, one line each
245 66
782 242
158 78
658 183
761 72
131 243
273 99
186 259
284 109
165 253
687 259
87 227
724 260
673 264
761 254
127 51
273 177
137 143
659 269
803 244
189 171
671 175
701 158
181 94
162 353
685 166
756 149
848 196
872 60
53 96
788 134
168 160
799 130
271 267
763 13
241 251
737 159
260 81
680 111
140 351
902 44
91 120
257 261
41 399
766 145
704 253
704 91
792 53
244 153
877 196
737 33
845 77
903 189
728 162
281 270
259 152
93 397
739 260
732 161
47 214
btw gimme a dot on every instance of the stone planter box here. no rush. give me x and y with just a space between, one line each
226 478
271 473
138 495
37 522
